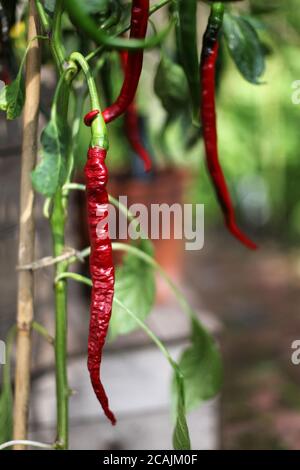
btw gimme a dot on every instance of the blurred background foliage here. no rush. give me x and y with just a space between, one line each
258 125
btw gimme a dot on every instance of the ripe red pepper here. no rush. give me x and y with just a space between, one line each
133 135
139 23
209 124
101 267
132 125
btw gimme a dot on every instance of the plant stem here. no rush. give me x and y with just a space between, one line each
58 222
56 39
26 238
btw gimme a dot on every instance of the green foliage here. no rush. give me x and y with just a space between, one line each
201 367
50 172
12 97
181 438
170 85
244 46
135 288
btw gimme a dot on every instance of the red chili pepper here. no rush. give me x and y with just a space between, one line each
132 126
101 267
133 135
139 23
208 114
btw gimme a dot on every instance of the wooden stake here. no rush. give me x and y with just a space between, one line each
26 235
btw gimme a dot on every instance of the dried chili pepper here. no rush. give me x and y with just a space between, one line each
139 23
208 114
101 264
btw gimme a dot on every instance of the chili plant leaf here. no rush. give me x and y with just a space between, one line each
49 5
245 47
181 438
49 173
170 85
6 412
201 367
135 288
12 97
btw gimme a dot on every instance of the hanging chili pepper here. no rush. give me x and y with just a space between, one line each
187 47
139 23
101 264
132 125
208 114
134 137
4 47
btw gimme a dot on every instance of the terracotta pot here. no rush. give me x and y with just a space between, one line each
163 187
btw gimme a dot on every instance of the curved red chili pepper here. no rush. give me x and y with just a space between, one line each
139 23
133 136
90 116
101 267
132 126
208 114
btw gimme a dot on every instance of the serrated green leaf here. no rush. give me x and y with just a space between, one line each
181 437
170 85
201 367
245 47
135 288
12 97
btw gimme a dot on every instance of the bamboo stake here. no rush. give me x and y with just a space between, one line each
27 228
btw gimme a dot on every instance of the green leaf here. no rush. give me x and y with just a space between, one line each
245 47
6 395
49 5
6 413
170 85
49 173
181 438
135 288
96 6
201 367
12 97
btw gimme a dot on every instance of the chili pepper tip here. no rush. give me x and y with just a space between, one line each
90 116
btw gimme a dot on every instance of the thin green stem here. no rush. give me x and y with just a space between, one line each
9 345
44 19
85 22
42 331
99 130
58 221
56 39
152 262
85 280
124 30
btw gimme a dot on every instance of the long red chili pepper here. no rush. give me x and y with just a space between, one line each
208 114
139 23
134 137
101 264
132 125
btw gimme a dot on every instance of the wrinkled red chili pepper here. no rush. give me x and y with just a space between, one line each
139 23
209 124
101 266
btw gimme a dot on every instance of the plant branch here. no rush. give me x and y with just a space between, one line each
26 236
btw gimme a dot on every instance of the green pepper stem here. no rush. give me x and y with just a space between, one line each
99 130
